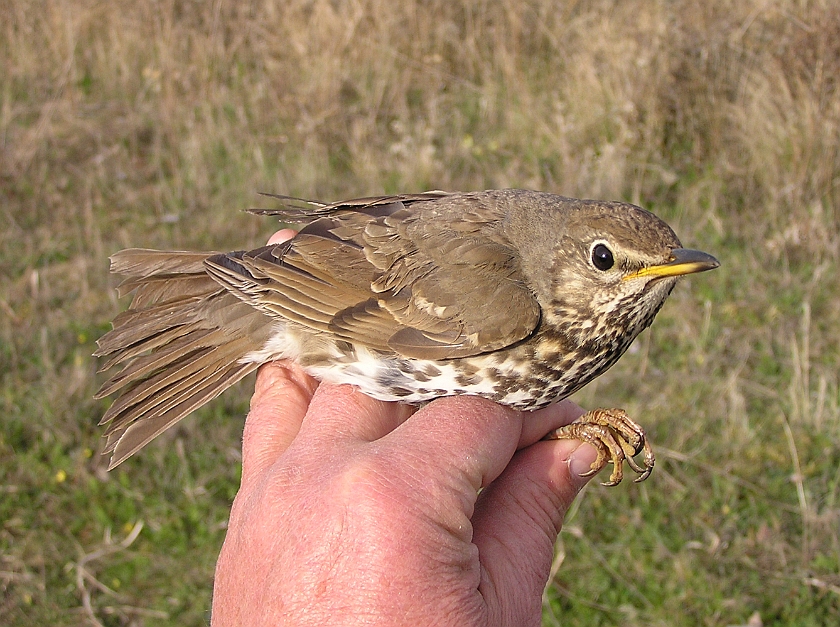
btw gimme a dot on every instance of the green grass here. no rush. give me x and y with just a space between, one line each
147 124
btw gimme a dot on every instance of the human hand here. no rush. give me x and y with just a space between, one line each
350 513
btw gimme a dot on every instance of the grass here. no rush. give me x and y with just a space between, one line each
154 124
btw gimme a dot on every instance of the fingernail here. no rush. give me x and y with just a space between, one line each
580 462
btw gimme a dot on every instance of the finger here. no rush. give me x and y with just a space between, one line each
281 236
471 435
517 520
341 413
281 398
537 424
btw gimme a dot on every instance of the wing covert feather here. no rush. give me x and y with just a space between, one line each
429 276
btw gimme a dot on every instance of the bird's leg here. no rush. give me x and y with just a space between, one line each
616 438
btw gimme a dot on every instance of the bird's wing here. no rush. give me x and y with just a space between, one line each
428 276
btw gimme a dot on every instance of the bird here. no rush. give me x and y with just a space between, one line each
518 296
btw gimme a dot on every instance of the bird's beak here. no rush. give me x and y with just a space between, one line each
683 261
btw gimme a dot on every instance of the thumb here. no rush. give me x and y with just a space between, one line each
516 523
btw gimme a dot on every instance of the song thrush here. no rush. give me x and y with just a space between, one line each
518 296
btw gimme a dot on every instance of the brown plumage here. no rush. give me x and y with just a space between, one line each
518 296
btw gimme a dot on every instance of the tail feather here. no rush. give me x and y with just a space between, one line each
159 376
124 442
145 262
135 327
156 394
191 325
161 339
181 342
165 288
167 358
150 396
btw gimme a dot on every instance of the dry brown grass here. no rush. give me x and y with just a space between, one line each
152 124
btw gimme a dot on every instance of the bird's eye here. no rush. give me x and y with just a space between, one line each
602 257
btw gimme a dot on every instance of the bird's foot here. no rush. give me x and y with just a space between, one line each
616 438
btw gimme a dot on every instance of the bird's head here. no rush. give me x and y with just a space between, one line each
612 267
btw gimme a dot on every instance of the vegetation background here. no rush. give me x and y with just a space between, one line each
154 123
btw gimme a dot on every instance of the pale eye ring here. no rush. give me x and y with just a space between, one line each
602 257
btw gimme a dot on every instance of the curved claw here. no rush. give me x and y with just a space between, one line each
649 460
600 460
